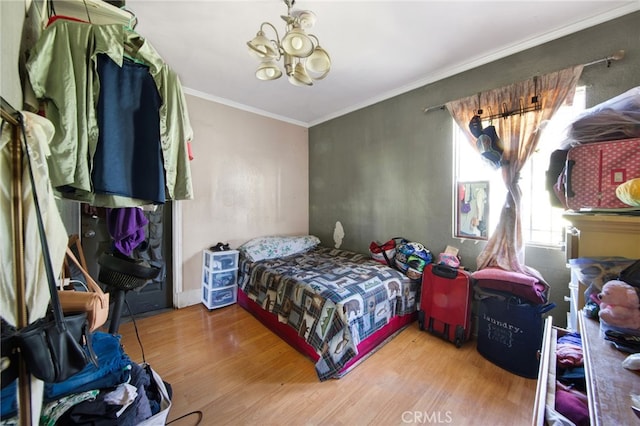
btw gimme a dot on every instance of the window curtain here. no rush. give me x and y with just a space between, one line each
519 134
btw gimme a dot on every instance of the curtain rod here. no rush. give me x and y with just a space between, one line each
614 57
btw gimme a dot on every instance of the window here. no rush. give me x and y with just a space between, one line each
542 224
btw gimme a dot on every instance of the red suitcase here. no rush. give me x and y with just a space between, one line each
445 303
594 171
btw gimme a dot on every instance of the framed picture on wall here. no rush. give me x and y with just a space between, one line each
472 210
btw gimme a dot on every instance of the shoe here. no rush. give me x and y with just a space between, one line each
496 143
220 247
475 126
489 145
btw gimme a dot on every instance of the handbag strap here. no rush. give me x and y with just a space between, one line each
90 281
46 256
384 253
56 307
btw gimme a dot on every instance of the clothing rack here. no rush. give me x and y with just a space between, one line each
12 116
504 113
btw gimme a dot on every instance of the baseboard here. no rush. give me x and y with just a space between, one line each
186 298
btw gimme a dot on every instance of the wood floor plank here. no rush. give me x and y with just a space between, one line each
229 366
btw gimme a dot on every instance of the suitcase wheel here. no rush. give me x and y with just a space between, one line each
459 336
421 320
430 326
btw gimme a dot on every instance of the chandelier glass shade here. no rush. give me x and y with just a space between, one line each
303 59
268 70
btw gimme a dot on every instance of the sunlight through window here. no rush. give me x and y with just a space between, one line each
542 224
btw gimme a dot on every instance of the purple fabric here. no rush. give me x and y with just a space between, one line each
525 286
126 227
572 407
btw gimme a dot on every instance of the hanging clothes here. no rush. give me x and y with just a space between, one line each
176 135
60 69
128 158
175 126
63 72
126 227
151 252
39 132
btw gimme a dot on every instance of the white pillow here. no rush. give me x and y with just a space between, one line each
272 247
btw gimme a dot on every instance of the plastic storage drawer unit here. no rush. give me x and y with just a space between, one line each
219 278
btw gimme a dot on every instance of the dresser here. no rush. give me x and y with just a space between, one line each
597 235
608 384
600 234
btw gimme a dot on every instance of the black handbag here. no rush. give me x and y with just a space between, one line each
54 351
54 347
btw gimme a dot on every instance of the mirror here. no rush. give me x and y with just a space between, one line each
472 210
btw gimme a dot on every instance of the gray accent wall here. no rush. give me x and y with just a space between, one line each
387 170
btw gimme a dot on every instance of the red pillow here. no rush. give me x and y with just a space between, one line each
525 286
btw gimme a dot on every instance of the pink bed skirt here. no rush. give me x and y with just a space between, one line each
289 335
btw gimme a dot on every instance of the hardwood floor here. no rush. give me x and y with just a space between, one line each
229 366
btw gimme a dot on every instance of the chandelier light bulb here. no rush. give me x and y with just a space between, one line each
296 43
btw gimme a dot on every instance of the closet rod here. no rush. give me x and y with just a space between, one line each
614 57
12 116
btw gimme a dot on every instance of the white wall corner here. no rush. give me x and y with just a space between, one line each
176 227
186 298
181 299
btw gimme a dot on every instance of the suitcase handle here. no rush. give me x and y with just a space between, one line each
569 191
444 271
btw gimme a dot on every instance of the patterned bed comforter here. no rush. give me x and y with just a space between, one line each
333 298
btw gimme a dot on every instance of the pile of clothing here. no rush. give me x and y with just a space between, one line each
571 397
117 391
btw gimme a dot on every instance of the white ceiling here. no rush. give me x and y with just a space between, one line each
379 49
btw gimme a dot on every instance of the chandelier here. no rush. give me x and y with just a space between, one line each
304 59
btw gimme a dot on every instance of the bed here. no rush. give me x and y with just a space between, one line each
335 306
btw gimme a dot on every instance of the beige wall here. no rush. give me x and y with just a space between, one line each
11 22
250 176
